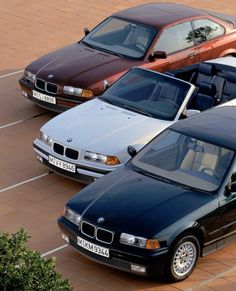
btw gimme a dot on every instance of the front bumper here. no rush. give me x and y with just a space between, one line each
153 262
62 102
82 173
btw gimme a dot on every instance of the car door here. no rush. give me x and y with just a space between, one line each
228 213
209 38
177 42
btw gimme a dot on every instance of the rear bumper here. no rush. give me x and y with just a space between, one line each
152 263
62 103
82 174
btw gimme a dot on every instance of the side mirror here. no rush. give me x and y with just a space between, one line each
230 190
233 187
86 31
227 191
106 84
159 55
131 151
191 112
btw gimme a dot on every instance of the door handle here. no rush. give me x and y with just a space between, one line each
192 55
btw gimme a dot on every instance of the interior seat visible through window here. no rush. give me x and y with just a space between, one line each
200 156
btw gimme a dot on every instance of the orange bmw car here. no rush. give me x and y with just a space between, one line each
157 36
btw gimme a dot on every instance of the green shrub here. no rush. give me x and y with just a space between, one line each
22 269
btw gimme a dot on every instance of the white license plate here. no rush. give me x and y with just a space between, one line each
101 251
43 97
61 164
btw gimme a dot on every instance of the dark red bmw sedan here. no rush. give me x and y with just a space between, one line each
157 36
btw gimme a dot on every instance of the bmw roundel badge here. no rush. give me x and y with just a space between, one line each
100 220
50 76
69 139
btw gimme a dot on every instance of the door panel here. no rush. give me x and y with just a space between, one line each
228 213
227 219
178 43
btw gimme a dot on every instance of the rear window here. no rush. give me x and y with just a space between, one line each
205 29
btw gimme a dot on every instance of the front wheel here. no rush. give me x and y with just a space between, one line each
184 256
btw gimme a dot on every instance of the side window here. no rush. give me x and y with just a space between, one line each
176 38
205 29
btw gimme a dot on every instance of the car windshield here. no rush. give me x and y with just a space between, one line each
149 93
121 37
185 160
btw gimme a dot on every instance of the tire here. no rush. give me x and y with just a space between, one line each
183 259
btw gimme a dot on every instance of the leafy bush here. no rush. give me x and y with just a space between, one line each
24 269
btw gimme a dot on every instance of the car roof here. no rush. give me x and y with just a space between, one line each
159 14
216 126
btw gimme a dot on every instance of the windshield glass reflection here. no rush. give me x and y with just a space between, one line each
121 37
149 93
185 160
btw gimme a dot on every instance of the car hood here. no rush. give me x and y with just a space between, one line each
79 65
134 203
103 128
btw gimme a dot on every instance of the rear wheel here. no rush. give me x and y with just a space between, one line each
184 256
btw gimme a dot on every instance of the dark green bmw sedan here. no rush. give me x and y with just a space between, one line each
173 202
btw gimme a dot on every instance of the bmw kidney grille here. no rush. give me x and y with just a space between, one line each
100 234
46 86
65 151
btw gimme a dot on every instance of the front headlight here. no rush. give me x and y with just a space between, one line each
72 216
108 160
77 91
29 76
141 242
46 138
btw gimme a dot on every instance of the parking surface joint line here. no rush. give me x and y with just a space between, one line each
10 74
205 282
24 182
54 250
10 124
22 120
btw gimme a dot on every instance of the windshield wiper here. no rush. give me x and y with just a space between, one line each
160 178
87 44
107 100
113 53
138 110
110 52
187 187
145 173
101 49
165 180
